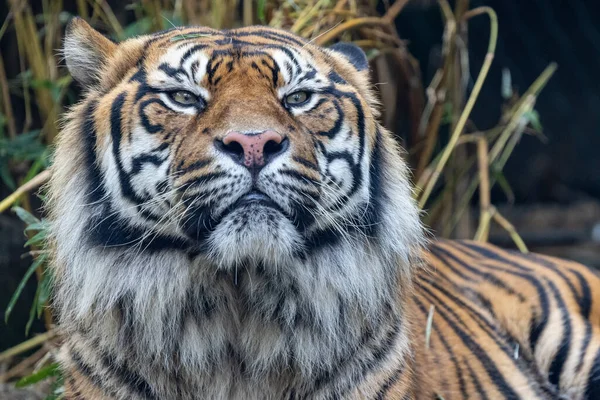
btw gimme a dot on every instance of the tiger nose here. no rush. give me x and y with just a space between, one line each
254 150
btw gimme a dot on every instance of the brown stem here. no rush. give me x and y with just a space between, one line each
27 345
350 25
394 10
484 189
33 183
7 106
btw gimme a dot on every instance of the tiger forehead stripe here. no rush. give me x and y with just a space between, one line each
206 52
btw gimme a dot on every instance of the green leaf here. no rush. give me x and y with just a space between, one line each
25 216
140 27
260 10
6 176
42 374
507 89
25 147
37 226
32 310
504 185
185 36
45 291
37 238
447 115
372 53
2 123
38 261
533 117
57 390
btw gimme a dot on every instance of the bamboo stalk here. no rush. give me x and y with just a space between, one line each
82 9
6 104
21 368
349 25
25 27
27 345
470 103
33 183
504 223
306 15
248 13
437 92
525 106
484 191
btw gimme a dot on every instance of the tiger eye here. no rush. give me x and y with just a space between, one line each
297 98
184 98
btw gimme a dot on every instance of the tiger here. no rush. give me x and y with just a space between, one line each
229 220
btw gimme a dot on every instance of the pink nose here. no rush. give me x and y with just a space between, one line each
253 150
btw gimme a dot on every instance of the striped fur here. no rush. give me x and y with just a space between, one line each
170 286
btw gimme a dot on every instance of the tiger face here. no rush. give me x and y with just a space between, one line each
244 145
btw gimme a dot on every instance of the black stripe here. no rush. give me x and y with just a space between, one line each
115 131
553 267
585 300
255 67
447 347
139 161
211 69
538 324
108 230
306 163
95 182
274 70
585 344
433 298
174 73
297 176
203 179
98 381
488 364
128 377
336 78
271 35
149 126
560 358
337 126
389 383
318 104
196 165
478 387
522 364
443 254
191 52
592 390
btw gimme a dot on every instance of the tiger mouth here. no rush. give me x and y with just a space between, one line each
255 197
201 222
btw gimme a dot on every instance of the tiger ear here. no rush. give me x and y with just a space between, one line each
352 53
86 51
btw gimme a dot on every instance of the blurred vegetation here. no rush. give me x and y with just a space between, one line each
451 157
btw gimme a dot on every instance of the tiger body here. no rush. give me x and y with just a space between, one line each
229 220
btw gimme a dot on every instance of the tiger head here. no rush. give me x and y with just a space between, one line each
249 144
198 158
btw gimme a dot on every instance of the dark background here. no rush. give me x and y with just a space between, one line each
532 34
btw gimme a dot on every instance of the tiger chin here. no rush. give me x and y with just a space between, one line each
230 220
